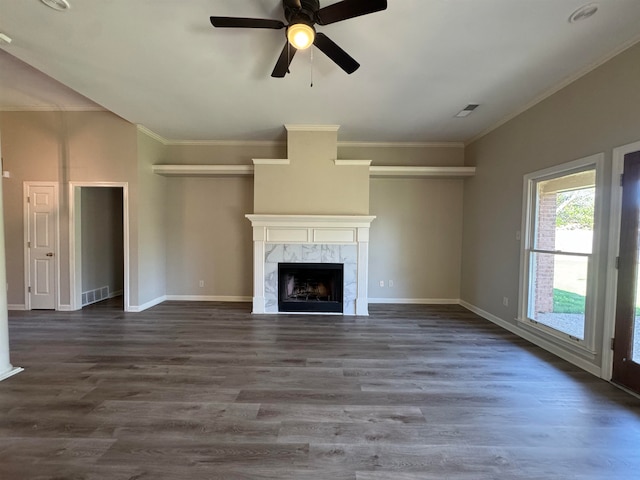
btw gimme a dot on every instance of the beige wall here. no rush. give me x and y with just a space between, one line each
183 229
223 153
148 237
416 238
312 183
60 147
208 236
444 155
594 114
209 239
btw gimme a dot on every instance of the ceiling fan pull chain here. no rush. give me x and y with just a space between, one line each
311 53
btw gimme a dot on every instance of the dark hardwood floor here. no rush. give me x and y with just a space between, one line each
207 391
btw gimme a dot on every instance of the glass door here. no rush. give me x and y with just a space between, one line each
626 348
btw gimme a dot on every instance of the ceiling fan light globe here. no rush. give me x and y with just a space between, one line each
301 35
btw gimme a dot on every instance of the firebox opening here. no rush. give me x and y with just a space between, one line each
310 287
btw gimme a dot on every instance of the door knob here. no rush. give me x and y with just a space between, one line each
50 254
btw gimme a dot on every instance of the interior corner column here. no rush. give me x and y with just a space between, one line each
362 298
6 369
259 237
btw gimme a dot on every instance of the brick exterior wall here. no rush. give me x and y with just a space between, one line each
546 240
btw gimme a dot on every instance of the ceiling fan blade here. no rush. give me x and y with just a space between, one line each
240 22
348 9
335 53
282 65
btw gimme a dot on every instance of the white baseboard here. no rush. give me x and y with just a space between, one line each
16 306
119 293
536 340
65 308
10 373
145 306
209 298
417 301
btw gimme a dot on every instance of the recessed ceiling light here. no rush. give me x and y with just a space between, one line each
60 5
584 12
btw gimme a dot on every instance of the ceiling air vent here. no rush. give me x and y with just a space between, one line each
467 110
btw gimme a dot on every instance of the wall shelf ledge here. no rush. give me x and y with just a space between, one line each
374 171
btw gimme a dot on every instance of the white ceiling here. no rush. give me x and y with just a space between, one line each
161 64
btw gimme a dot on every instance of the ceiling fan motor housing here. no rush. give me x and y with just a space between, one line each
302 11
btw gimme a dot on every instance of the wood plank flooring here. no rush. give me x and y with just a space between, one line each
208 391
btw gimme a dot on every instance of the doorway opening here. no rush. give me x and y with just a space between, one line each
99 240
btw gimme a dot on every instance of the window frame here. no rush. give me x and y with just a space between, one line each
529 209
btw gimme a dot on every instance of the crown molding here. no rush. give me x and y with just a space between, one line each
402 144
301 128
227 143
53 108
151 134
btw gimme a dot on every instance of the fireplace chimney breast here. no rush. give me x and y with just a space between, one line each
310 181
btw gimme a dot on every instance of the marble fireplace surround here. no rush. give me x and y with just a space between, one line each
310 239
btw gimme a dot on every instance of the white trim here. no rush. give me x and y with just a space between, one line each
10 373
569 342
352 163
226 143
405 171
535 339
615 215
310 221
209 298
16 307
202 170
53 108
588 344
312 128
275 143
409 171
151 134
75 267
271 161
311 229
401 144
26 235
65 308
147 305
555 89
188 298
415 301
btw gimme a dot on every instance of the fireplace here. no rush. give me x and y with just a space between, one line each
311 239
310 287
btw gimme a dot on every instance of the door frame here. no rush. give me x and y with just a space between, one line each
617 167
75 240
26 230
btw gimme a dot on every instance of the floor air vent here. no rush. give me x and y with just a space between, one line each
93 296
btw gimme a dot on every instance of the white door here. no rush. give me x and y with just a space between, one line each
42 206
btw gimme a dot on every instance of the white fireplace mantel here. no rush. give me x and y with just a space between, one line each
328 232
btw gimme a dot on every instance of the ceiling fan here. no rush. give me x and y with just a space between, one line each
301 16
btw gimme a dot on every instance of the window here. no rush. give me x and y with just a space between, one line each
559 261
